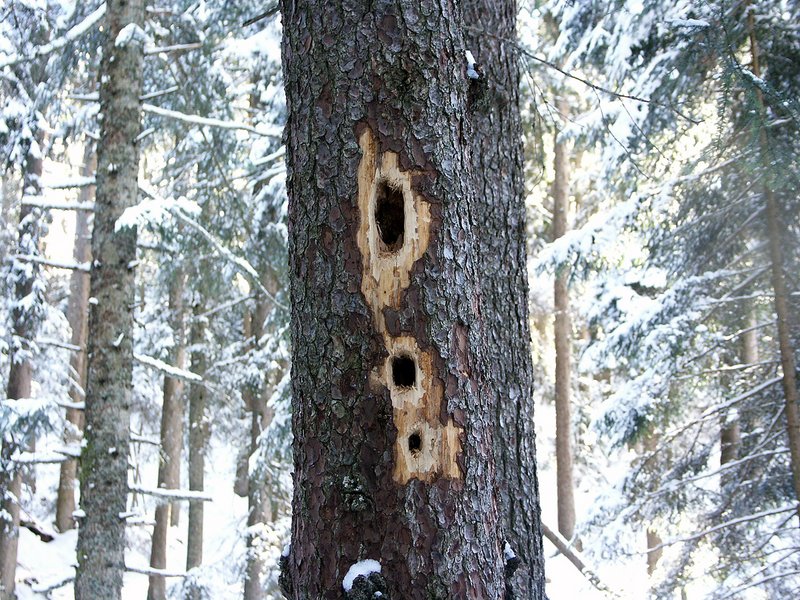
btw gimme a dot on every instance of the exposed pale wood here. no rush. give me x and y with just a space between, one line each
386 274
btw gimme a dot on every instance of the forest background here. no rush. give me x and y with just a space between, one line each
662 195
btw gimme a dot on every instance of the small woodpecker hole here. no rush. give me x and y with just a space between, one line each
390 216
404 371
414 443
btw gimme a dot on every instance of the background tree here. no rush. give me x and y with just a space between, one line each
104 480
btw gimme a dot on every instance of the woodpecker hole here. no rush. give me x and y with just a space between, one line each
404 371
414 443
390 216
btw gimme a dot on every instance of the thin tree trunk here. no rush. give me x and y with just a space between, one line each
393 434
776 232
731 435
198 433
257 501
169 468
25 317
563 343
78 317
104 460
498 173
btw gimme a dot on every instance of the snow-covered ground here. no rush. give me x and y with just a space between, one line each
44 564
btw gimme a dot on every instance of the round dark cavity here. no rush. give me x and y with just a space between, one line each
390 216
414 442
404 371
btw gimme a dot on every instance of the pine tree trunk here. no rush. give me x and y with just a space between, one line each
776 232
393 433
257 493
198 434
731 435
104 460
78 317
563 342
498 171
169 467
25 317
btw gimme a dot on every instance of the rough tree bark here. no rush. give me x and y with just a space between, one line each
562 331
25 316
169 466
393 432
198 434
78 316
498 171
104 460
776 232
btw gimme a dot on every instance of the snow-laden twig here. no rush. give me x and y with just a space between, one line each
225 306
174 48
75 182
57 43
45 587
280 152
135 437
243 265
274 132
159 93
73 266
38 458
58 344
152 571
729 523
169 370
172 495
563 546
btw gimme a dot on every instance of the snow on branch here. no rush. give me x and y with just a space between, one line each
242 264
563 545
167 495
58 344
730 523
174 48
275 132
279 153
39 458
169 370
76 182
58 205
45 587
152 571
53 263
57 43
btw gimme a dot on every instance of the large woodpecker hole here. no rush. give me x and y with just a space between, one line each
390 216
404 371
414 443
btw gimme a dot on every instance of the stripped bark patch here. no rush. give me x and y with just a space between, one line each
393 234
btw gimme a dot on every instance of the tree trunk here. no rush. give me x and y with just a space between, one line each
776 232
25 317
731 435
198 433
563 341
78 316
393 433
259 509
169 467
498 171
104 480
